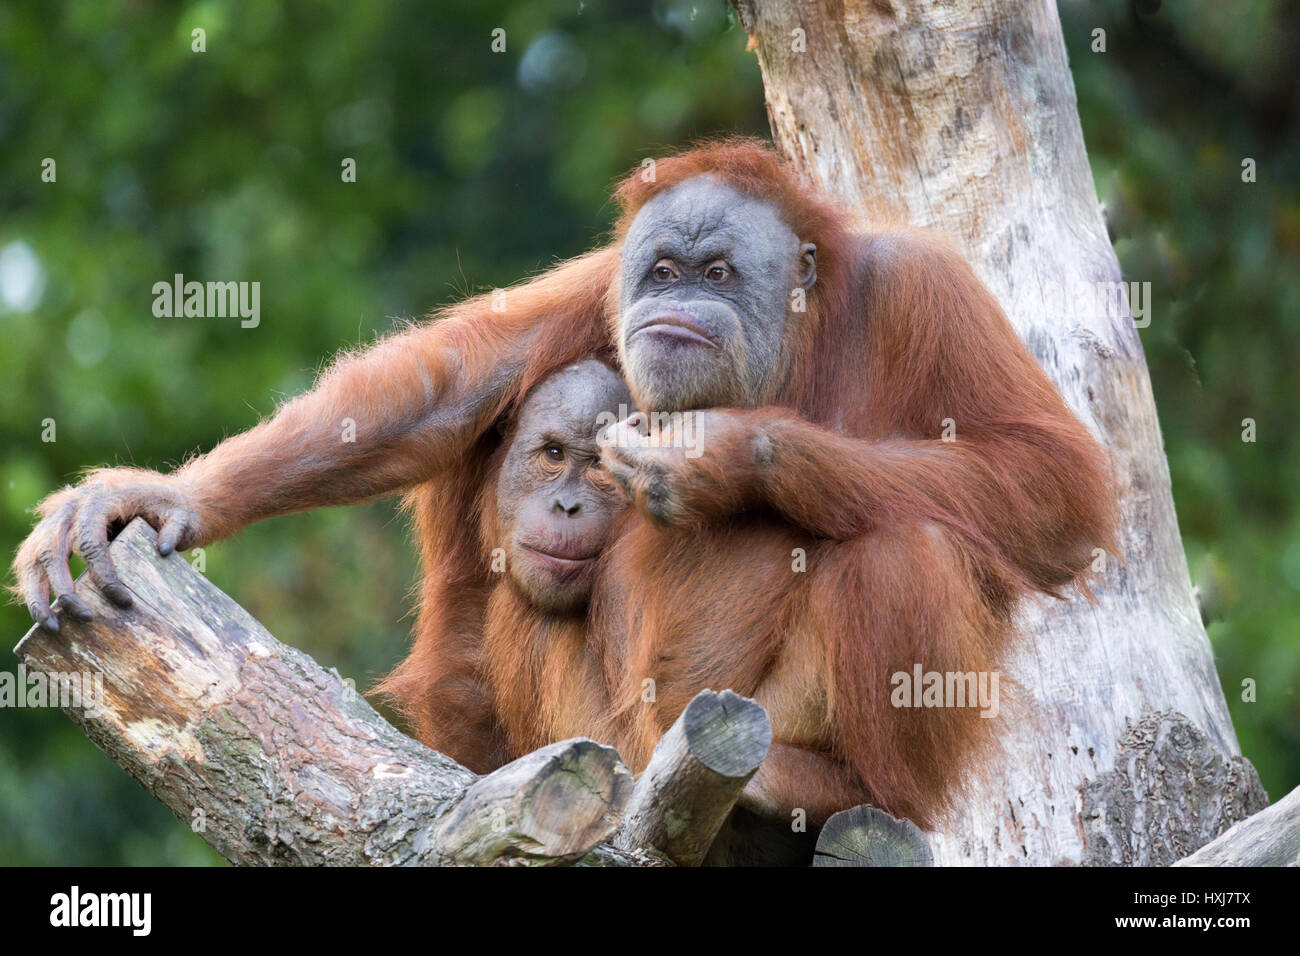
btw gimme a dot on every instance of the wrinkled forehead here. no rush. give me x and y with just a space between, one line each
704 218
569 402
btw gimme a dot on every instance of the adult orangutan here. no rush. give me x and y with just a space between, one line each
822 433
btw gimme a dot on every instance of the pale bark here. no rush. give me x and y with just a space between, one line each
962 117
274 761
867 836
695 776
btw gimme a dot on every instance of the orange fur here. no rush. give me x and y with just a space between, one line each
917 549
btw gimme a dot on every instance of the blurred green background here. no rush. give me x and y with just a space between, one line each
476 169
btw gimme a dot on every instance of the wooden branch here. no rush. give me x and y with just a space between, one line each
551 806
1269 838
695 776
867 836
272 760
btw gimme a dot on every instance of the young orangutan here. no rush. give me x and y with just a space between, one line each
546 509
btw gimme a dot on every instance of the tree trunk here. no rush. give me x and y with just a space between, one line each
962 117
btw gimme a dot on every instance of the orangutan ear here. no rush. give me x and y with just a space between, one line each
807 264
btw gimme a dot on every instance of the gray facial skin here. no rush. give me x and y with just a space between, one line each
705 288
553 498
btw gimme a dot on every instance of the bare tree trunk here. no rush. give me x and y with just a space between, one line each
962 117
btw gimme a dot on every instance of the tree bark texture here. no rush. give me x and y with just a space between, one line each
961 117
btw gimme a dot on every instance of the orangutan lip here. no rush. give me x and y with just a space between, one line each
679 328
560 559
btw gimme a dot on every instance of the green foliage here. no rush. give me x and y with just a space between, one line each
475 169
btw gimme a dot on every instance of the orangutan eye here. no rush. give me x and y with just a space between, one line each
717 272
554 452
665 270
